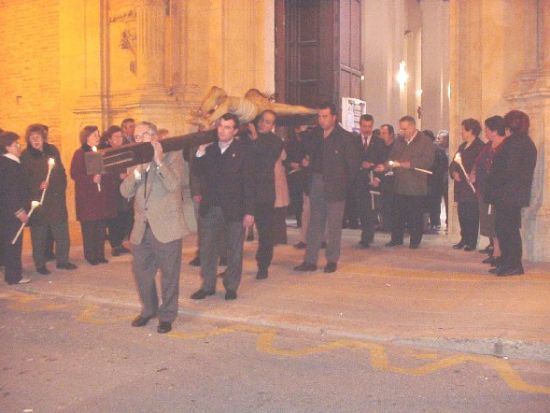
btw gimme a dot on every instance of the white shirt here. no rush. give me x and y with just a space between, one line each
366 140
222 145
408 142
12 157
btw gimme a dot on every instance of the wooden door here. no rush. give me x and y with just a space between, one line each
318 50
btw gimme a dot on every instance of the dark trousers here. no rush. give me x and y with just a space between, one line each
119 228
60 235
386 209
1 249
351 213
13 267
507 227
468 217
325 216
212 226
93 238
150 256
264 223
295 191
367 214
407 210
279 226
433 207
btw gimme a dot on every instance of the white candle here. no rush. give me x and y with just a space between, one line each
458 160
51 164
94 148
34 205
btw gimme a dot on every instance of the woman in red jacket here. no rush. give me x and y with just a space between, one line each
93 203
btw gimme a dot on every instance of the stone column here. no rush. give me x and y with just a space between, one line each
530 92
150 46
435 64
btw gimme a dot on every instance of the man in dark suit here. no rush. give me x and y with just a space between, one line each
509 189
14 203
266 149
227 205
372 150
334 162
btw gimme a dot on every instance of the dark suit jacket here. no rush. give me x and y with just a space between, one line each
266 149
375 153
228 180
337 157
463 192
510 179
35 165
14 194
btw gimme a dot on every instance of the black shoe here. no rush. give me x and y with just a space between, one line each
498 268
460 245
201 294
394 243
195 262
363 244
414 245
300 245
330 267
115 252
305 266
487 250
230 295
496 262
489 260
469 248
66 266
140 321
223 261
261 274
43 270
510 271
102 261
323 245
164 327
92 262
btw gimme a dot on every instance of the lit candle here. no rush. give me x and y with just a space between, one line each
34 205
51 164
458 160
94 148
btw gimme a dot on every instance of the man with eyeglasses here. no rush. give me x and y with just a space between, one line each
159 224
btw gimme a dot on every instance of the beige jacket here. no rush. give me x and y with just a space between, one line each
161 206
281 185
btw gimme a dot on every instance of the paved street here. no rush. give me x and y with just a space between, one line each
391 331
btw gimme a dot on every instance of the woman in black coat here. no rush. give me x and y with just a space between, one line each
509 189
52 214
465 196
14 204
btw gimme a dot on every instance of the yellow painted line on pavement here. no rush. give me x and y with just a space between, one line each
265 343
88 315
378 355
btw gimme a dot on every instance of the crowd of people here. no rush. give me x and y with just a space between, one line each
328 178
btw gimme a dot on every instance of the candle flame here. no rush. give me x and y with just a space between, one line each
34 204
51 162
94 148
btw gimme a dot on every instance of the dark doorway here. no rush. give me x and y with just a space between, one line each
318 50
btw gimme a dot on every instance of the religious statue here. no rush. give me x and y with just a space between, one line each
217 102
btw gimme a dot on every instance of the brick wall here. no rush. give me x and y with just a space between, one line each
29 78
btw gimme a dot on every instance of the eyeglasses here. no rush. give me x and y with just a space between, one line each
139 138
